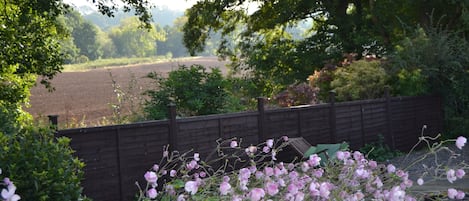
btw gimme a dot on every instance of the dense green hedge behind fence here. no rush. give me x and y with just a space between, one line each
118 156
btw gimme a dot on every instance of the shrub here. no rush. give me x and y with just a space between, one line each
361 80
409 82
192 89
379 151
348 176
297 94
442 60
42 167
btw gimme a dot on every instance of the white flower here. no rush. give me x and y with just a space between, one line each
460 142
420 181
9 193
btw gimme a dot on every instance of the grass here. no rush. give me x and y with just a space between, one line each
114 62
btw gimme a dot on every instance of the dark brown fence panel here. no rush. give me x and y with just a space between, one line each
117 156
374 121
97 148
349 124
282 122
242 126
404 123
139 149
199 134
315 126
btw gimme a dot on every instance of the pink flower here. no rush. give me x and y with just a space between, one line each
285 138
391 168
314 160
156 167
340 155
373 164
451 175
460 141
460 195
256 194
196 157
272 188
396 194
251 150
191 187
292 188
378 182
191 165
313 189
357 156
268 171
362 173
266 149
325 190
460 173
452 193
233 144
151 193
420 181
151 177
202 174
172 173
224 188
165 154
270 143
244 174
300 196
318 173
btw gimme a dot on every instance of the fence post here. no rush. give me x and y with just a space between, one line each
389 135
261 118
332 117
172 127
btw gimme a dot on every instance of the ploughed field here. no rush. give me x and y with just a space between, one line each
84 98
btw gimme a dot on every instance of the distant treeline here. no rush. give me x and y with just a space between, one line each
94 36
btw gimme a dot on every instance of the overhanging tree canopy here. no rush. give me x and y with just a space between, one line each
335 27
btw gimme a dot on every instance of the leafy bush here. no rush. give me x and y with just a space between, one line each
379 151
42 167
192 89
297 94
360 80
409 82
442 58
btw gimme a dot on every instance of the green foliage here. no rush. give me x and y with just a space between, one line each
260 43
361 80
42 167
379 151
192 89
442 60
410 83
130 41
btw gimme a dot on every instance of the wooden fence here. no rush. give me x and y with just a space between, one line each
118 156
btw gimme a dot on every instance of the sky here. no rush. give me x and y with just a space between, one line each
180 5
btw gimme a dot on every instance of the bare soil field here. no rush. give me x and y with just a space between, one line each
84 98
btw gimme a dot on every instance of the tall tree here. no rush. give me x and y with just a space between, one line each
29 36
130 41
84 35
265 48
